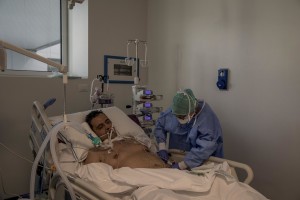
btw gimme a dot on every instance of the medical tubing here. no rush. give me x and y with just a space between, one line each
145 53
107 84
91 90
136 57
36 162
53 132
53 141
128 43
109 138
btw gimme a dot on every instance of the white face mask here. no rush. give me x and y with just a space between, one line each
183 121
186 120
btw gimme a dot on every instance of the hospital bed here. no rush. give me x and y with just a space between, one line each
216 179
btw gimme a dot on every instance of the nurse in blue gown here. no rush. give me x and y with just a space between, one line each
193 127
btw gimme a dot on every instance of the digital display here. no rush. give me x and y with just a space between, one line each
147 105
148 117
122 70
147 92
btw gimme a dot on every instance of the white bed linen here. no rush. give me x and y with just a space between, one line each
168 183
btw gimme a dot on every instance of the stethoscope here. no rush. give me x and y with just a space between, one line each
203 104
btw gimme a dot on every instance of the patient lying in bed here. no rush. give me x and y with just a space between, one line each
121 152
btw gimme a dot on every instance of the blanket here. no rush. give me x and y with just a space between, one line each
212 184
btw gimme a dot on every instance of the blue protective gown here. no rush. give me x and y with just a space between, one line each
201 139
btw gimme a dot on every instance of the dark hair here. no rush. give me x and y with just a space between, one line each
92 115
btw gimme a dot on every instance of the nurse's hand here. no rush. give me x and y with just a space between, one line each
163 154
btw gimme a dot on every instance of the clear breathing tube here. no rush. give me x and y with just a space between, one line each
98 141
108 143
53 142
51 136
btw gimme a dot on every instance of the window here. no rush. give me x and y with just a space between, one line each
35 26
39 26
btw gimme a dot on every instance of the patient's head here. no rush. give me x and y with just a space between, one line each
100 124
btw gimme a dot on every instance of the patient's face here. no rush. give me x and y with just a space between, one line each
101 125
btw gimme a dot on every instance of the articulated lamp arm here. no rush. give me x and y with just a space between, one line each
4 45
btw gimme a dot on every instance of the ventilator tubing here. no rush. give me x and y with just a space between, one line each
51 136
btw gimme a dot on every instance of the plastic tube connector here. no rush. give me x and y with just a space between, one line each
95 140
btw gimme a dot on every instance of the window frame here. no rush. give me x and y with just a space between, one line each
63 49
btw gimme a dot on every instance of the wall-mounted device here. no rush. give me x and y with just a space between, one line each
222 79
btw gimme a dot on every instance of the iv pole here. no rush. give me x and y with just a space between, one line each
129 61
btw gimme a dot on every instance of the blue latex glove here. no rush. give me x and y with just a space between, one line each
175 166
163 154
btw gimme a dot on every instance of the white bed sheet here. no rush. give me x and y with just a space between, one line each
213 184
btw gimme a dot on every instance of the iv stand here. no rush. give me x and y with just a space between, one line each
130 61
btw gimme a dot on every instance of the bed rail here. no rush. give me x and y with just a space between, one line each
235 164
178 155
40 126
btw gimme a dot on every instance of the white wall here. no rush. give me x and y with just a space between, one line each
259 42
111 24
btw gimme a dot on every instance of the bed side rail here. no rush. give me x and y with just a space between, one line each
178 155
39 116
40 126
238 165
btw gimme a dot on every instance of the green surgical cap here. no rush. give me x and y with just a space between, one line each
181 103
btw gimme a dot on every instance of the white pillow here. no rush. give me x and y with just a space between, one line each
126 126
88 129
123 124
80 142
